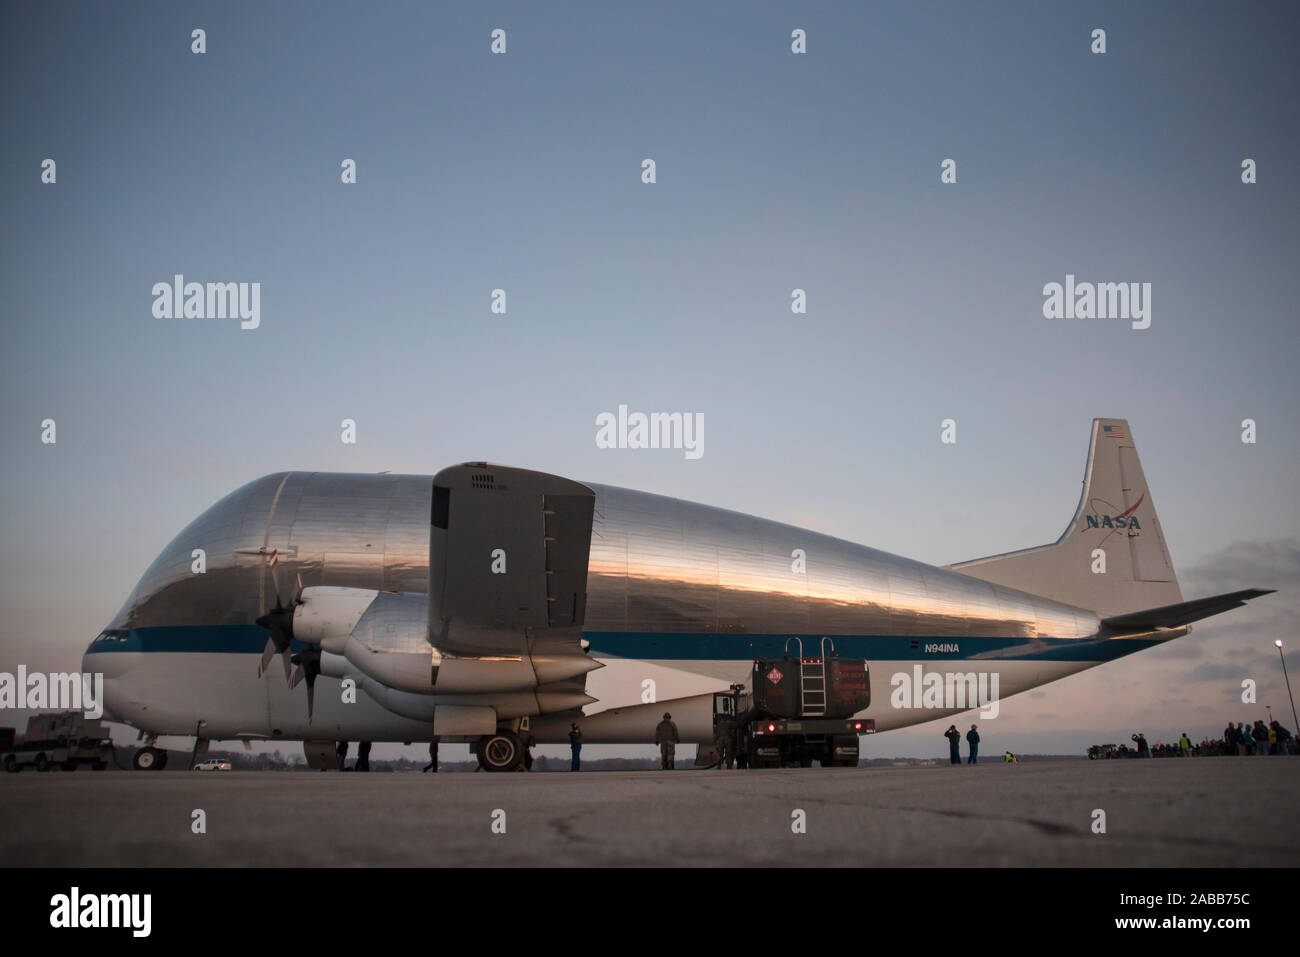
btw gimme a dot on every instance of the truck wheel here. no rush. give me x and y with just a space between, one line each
148 759
499 752
42 763
12 765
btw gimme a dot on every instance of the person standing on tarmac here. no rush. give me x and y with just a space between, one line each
666 737
575 745
433 757
724 741
973 739
954 744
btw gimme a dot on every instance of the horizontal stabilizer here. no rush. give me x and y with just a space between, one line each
1183 613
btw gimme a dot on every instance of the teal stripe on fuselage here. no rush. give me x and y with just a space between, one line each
651 646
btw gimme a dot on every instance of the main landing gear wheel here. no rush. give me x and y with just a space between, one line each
149 759
499 752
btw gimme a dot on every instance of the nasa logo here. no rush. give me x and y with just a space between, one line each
1125 519
1117 521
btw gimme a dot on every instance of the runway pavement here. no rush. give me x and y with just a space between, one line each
1159 812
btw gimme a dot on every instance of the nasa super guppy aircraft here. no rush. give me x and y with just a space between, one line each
486 602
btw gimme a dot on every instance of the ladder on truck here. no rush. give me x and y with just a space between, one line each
812 679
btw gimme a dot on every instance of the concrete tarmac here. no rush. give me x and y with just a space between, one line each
1238 812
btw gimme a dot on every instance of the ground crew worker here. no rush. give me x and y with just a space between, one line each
954 744
666 737
973 739
529 743
433 757
363 757
724 740
341 752
1185 745
575 745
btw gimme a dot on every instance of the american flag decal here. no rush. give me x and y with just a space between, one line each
1113 432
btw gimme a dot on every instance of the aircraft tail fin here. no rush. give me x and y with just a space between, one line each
1114 528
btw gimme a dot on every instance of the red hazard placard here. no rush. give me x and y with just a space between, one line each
774 676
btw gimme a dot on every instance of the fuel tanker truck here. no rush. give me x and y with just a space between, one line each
796 710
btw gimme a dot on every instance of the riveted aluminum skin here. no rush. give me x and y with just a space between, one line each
657 564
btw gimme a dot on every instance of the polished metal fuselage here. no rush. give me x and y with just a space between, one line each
657 565
681 597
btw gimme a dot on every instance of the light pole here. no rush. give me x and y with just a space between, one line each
1288 683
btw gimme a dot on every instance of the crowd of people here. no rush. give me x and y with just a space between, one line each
1240 739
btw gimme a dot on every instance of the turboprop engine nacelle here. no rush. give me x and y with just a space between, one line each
384 636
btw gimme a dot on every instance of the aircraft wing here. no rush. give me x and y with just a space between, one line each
508 554
1183 613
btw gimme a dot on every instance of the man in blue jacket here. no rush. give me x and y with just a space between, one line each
973 739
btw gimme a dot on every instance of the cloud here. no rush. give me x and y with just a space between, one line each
1215 672
1273 564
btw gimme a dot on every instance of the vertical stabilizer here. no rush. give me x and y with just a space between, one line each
1116 516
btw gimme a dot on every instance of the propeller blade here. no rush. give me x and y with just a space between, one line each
267 654
279 622
275 579
297 676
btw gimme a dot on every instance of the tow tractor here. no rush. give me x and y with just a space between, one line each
799 710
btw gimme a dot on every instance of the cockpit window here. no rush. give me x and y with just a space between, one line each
112 634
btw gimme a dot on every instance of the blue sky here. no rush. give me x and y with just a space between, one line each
775 172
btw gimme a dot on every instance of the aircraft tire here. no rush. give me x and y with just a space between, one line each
149 759
500 752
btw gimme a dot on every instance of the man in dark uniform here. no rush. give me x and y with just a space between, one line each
724 741
363 757
954 744
666 737
973 739
433 757
575 745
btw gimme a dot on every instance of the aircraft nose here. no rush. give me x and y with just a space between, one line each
110 654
